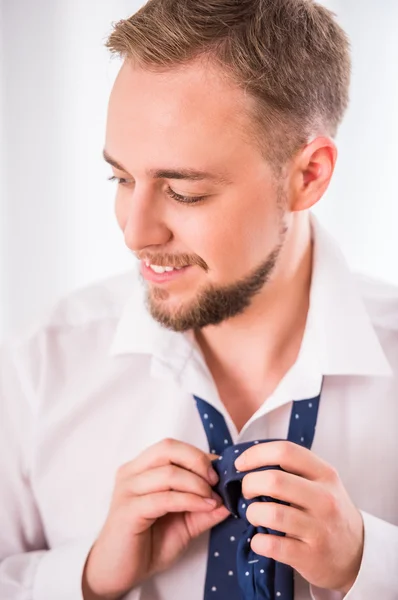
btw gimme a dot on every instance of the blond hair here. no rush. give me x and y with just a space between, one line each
290 56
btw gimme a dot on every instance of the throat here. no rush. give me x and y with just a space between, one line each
242 403
246 376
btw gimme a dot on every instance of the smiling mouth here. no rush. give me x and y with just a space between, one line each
162 269
161 274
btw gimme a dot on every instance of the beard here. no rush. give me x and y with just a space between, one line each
215 304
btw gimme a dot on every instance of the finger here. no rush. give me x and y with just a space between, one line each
168 477
286 519
168 452
199 522
281 485
288 455
154 506
281 548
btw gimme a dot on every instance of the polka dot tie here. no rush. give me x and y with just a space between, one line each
234 571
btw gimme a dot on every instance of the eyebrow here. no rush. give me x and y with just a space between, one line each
186 174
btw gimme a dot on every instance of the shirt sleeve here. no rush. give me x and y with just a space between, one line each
378 574
29 570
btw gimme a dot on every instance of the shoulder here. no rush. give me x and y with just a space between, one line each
91 305
381 302
76 333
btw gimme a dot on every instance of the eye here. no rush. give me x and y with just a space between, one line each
184 199
119 180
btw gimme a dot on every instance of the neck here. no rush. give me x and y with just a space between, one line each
252 352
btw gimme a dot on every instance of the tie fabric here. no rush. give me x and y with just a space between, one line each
234 571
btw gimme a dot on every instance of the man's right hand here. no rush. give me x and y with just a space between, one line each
161 501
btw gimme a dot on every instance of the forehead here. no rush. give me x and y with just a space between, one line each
188 111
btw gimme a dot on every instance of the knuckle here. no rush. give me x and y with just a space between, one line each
277 514
200 463
202 459
273 479
170 472
291 446
166 444
274 545
333 474
330 504
284 450
318 544
121 472
202 488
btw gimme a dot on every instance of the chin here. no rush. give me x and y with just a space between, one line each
169 308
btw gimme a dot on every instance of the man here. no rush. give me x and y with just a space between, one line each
248 331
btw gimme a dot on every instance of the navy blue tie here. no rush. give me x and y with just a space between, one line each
234 571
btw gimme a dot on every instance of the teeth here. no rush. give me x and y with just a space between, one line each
159 269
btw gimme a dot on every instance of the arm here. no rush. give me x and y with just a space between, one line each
28 570
170 478
378 574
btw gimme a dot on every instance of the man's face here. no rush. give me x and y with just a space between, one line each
195 192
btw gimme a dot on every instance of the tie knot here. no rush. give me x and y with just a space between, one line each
229 486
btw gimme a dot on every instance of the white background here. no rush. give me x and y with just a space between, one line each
57 228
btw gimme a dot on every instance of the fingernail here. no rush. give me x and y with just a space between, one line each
217 498
211 501
213 477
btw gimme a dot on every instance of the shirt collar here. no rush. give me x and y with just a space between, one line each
339 335
345 339
138 333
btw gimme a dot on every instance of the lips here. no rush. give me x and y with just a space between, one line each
158 274
161 269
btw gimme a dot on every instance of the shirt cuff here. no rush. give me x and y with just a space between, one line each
378 573
60 571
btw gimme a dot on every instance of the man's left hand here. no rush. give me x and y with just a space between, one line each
324 529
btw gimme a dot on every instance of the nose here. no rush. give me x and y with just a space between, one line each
141 217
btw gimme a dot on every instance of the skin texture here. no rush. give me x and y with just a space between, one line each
192 118
161 501
324 530
176 133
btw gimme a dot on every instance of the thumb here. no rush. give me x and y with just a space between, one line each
199 522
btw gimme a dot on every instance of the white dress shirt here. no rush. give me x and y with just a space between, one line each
98 381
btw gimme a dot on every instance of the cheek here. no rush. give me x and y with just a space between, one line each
235 240
120 210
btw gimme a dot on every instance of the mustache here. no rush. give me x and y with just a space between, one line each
172 260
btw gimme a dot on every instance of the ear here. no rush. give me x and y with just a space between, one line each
312 171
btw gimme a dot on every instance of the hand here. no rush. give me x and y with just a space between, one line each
161 501
324 530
